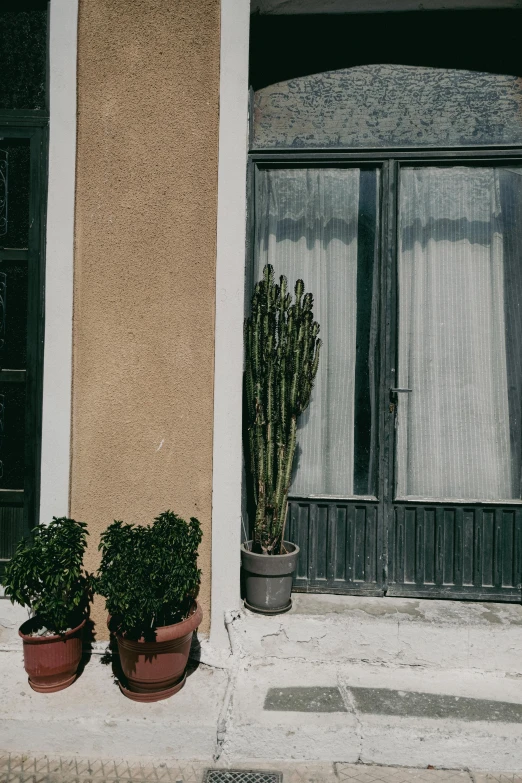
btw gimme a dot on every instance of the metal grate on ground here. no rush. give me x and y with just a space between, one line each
242 776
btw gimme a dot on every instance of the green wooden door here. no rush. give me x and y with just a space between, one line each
415 268
22 167
24 119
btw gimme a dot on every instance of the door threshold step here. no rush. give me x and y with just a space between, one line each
388 631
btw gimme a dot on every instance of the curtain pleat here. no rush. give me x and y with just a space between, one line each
453 429
306 227
511 204
459 431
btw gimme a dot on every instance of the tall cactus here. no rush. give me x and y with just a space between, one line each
281 360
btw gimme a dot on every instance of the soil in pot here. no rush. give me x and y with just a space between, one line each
268 578
51 661
155 670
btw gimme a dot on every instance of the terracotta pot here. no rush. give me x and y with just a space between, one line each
268 578
51 661
155 670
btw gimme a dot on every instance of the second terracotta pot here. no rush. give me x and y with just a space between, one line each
155 670
51 661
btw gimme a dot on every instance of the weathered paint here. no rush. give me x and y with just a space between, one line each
376 106
146 194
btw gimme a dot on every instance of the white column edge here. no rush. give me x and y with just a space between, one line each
230 276
57 378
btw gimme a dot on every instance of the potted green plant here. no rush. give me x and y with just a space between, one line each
46 575
150 579
281 360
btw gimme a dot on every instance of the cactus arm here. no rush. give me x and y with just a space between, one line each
292 442
283 402
287 477
249 378
261 531
253 463
270 424
281 462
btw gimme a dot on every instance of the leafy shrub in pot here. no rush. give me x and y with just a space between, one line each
282 351
46 575
150 580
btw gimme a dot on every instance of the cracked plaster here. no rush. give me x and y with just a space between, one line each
440 634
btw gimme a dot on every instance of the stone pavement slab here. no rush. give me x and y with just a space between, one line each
289 734
435 735
381 715
361 773
93 718
488 777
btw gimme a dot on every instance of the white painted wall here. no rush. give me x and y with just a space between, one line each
230 276
56 430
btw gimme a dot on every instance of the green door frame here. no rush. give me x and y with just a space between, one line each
34 127
379 546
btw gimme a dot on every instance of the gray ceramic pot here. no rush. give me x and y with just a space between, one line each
268 579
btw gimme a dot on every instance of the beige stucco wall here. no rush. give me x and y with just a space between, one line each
148 73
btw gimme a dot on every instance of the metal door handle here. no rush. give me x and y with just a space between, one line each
397 391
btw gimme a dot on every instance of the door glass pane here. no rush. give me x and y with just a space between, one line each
460 332
12 431
23 55
320 225
14 234
11 530
14 184
13 314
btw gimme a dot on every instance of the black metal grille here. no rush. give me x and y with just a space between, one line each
242 776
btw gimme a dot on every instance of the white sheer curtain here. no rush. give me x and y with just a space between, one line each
454 427
306 227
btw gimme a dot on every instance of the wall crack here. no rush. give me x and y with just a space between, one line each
226 708
349 703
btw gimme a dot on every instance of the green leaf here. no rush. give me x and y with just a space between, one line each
46 573
148 574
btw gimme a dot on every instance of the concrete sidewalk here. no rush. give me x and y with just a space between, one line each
388 698
277 710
